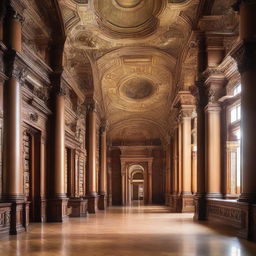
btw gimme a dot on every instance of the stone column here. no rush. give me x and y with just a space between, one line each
201 100
109 182
185 104
92 175
43 180
168 174
174 176
12 162
186 193
57 207
150 162
103 169
245 55
123 174
194 161
215 86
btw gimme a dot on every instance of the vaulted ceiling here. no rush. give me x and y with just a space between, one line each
129 55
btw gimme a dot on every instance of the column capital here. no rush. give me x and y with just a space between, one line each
15 8
59 86
215 86
91 105
237 4
15 66
245 55
104 126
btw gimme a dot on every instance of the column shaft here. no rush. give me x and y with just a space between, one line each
59 147
103 171
92 175
247 68
12 171
186 156
150 182
213 150
168 174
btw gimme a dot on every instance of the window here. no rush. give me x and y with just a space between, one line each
234 144
235 113
237 90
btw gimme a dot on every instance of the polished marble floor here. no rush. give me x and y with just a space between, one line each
136 231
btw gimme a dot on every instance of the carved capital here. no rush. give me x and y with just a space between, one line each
186 113
91 107
59 87
200 93
17 16
15 66
245 55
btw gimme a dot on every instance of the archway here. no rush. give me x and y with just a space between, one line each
136 188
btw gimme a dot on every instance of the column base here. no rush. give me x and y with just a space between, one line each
57 209
78 207
214 195
92 203
200 207
109 199
102 202
247 198
5 217
167 199
174 203
43 209
19 217
187 203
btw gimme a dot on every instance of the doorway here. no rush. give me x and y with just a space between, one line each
31 153
137 182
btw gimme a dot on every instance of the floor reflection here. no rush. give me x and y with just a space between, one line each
124 231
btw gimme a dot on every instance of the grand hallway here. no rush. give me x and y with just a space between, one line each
138 230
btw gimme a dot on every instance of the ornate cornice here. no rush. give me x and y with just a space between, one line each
245 55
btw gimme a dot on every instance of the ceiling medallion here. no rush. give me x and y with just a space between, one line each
137 89
128 18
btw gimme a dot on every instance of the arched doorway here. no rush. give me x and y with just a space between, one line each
137 181
137 185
